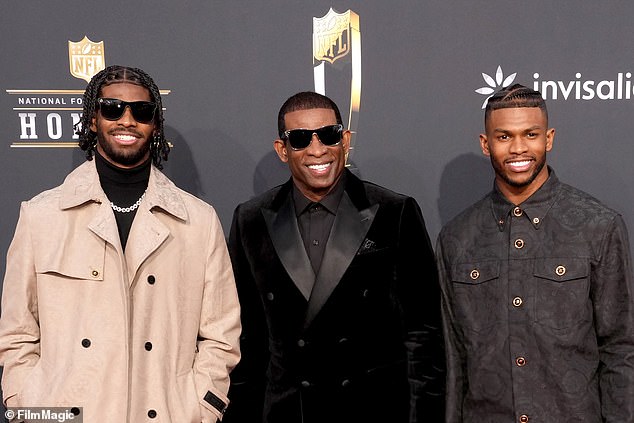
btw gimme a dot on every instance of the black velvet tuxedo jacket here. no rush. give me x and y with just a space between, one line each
366 345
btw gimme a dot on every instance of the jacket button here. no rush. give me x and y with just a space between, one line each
560 270
517 301
85 342
148 346
345 382
343 340
517 212
270 296
151 414
365 293
305 384
523 418
519 243
151 279
520 361
301 343
475 274
95 273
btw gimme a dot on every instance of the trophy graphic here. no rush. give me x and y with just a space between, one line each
337 46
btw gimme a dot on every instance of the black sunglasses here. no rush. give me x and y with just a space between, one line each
113 109
329 135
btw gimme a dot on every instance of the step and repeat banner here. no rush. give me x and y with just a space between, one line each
410 77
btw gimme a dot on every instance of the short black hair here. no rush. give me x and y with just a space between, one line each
516 95
305 100
159 146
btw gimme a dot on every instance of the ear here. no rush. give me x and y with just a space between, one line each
345 140
550 137
484 145
280 149
93 123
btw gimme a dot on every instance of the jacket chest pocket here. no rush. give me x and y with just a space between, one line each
478 294
561 292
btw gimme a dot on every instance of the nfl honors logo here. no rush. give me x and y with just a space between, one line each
331 35
86 58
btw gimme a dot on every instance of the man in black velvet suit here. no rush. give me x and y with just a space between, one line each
338 288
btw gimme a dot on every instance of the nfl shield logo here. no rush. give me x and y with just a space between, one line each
331 35
86 58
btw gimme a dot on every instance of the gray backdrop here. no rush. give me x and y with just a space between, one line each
231 64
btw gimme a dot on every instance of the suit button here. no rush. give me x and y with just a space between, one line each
517 301
85 342
151 414
148 346
523 418
270 296
305 384
520 361
345 382
151 279
301 343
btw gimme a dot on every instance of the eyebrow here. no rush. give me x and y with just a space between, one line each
532 128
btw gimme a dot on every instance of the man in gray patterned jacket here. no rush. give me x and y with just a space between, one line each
538 295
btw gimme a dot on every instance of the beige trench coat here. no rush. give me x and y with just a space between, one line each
149 335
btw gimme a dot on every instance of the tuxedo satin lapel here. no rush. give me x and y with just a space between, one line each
348 232
287 241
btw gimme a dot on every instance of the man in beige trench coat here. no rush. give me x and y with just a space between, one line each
119 301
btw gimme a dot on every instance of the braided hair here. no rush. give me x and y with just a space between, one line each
515 96
159 146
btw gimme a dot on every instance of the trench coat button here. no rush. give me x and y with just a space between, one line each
151 414
520 361
305 384
151 279
523 418
560 270
517 301
301 343
85 342
517 212
475 274
148 346
345 382
270 296
519 243
95 273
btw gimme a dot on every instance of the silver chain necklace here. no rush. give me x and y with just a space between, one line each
132 208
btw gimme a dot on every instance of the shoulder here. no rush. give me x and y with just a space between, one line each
468 217
582 202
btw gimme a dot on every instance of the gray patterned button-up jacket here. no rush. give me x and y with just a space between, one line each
538 307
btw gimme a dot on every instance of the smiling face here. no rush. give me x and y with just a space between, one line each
123 142
516 140
316 168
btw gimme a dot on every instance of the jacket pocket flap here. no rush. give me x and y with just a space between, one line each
561 269
475 273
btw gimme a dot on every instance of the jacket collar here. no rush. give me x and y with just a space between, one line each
535 208
82 186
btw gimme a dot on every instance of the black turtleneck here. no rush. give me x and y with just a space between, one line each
123 187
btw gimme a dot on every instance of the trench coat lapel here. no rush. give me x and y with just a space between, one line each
287 241
348 232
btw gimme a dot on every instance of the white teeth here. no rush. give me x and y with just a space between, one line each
319 166
519 164
123 137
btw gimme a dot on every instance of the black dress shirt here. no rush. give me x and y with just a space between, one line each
315 220
538 306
